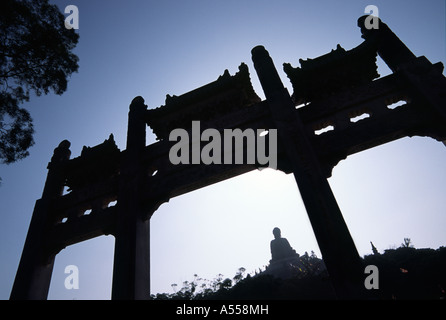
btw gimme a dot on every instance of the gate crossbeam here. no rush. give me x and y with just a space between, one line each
412 117
336 88
97 223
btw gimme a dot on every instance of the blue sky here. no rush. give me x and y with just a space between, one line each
153 48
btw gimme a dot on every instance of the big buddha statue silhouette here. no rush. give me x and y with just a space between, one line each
280 247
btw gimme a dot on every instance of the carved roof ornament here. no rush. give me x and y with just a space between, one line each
226 94
323 76
94 163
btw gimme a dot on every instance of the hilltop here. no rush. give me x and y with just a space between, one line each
404 273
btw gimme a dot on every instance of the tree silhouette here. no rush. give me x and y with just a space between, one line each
35 56
407 243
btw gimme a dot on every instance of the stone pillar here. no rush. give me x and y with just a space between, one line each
389 47
131 270
33 276
335 242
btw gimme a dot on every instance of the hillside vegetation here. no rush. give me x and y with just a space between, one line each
404 273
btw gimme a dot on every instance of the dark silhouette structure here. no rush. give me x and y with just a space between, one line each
284 262
336 88
280 247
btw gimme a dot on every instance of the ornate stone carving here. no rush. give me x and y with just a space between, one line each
94 164
328 74
338 86
226 94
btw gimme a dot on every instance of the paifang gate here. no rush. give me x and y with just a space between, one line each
333 89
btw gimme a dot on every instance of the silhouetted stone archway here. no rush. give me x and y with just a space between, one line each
337 89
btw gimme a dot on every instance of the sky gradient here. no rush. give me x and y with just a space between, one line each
153 48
